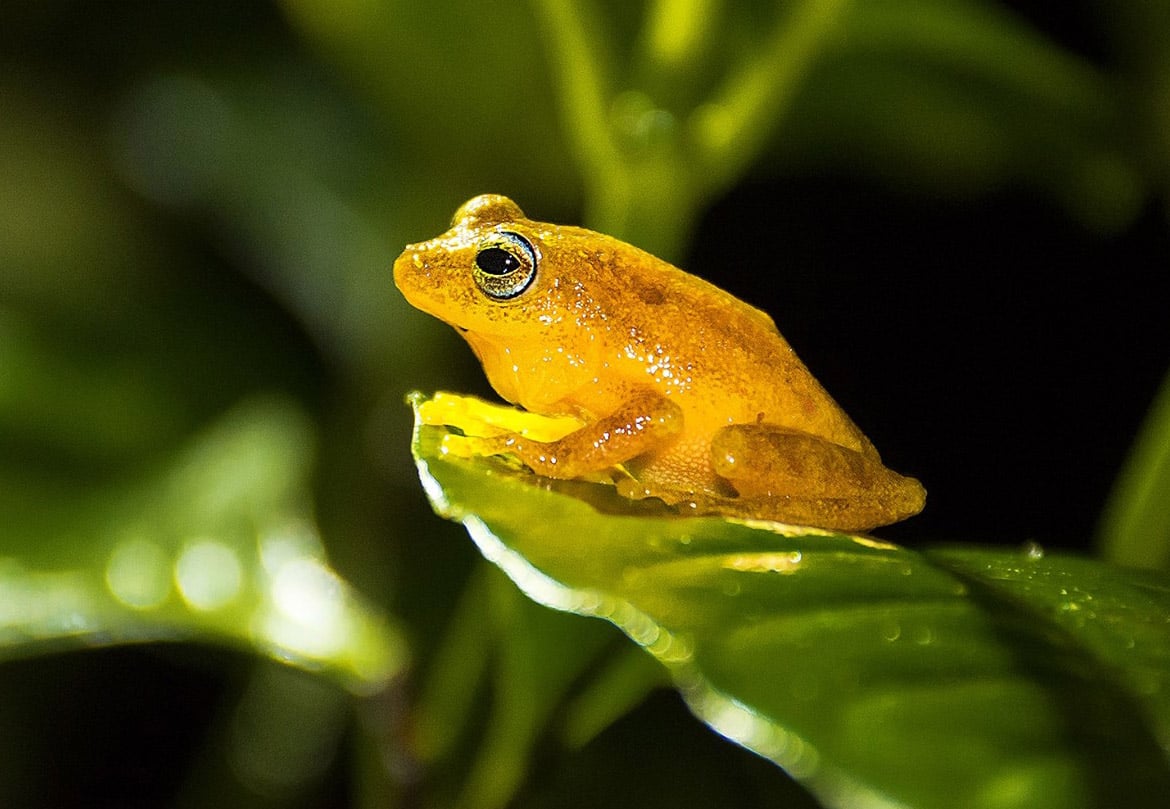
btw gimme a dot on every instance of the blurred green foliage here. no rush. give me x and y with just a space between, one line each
202 359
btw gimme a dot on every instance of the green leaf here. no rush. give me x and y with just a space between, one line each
875 675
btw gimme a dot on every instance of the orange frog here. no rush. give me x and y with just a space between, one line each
682 391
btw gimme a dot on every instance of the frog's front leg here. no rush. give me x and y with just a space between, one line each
795 477
643 423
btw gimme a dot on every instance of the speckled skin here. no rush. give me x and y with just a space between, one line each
694 391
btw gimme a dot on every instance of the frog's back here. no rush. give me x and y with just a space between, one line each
722 358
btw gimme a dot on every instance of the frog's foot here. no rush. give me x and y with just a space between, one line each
790 476
637 488
476 418
467 446
643 423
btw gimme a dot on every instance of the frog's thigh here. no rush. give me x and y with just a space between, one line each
798 478
640 425
764 460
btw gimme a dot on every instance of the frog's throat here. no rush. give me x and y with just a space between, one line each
500 368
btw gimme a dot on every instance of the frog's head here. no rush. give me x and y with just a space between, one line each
486 275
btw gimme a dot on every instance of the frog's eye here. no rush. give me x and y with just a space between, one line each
504 266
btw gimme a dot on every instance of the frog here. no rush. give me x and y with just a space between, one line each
677 389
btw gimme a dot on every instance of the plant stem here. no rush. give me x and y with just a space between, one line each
730 131
578 70
676 30
647 173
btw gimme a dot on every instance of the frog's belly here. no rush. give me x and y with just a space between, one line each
679 471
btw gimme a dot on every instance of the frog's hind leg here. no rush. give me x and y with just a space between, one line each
791 476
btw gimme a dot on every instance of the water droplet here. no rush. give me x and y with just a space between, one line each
805 687
208 574
137 574
1033 551
924 636
1146 683
310 607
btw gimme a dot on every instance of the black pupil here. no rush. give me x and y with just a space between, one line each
496 261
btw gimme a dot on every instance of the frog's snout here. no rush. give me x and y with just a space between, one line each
409 261
407 267
419 279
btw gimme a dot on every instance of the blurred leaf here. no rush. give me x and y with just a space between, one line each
62 394
219 548
1135 528
117 337
616 689
459 84
1139 29
532 657
452 687
276 741
875 675
962 95
538 656
68 233
285 178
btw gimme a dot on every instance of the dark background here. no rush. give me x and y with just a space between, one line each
1016 352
